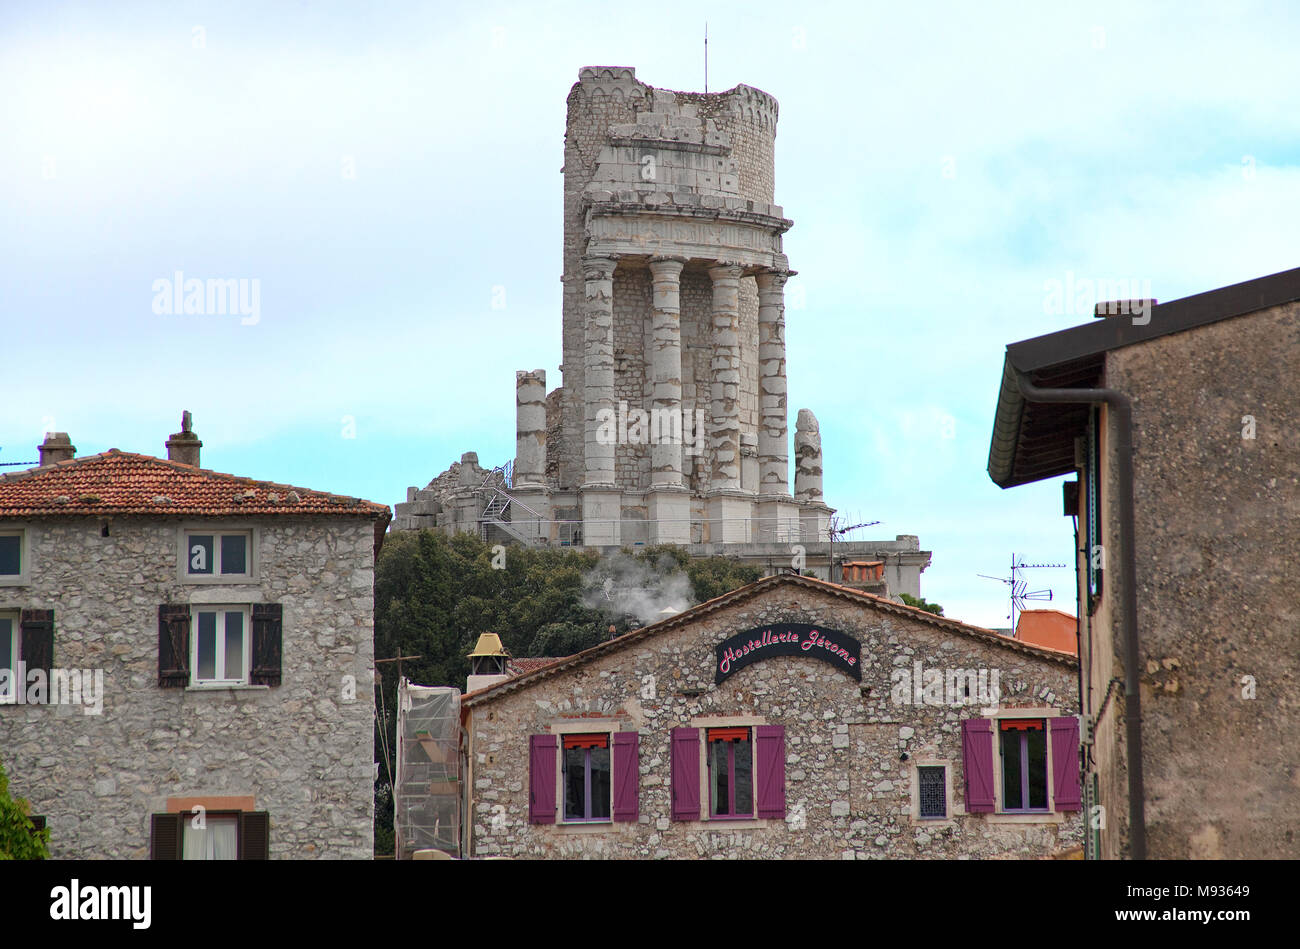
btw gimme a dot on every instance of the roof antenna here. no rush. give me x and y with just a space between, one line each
706 56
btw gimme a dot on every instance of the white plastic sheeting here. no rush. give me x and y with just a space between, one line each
428 769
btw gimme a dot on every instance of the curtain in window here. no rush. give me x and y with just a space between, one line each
219 840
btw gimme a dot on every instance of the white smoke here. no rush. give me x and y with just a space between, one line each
624 585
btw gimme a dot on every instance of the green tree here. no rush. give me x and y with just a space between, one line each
19 839
921 604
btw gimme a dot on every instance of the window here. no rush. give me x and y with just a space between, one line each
1023 744
217 839
217 554
597 779
221 646
227 835
586 778
11 554
8 656
932 791
731 772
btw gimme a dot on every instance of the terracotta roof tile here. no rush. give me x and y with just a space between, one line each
119 482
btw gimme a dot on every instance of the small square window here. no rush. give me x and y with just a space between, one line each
221 646
932 791
11 554
217 554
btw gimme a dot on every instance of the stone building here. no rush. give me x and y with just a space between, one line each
1180 420
791 718
671 425
193 656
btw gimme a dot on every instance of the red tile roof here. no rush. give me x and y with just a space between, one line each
120 482
525 664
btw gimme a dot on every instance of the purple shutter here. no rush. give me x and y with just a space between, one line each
1065 762
769 761
685 767
541 779
627 776
977 761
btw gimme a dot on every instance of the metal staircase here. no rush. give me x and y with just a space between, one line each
497 508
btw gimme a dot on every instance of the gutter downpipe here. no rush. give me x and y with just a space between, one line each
1123 408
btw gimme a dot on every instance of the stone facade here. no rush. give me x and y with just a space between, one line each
300 751
1218 564
852 748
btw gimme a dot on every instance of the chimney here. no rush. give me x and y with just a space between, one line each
184 445
56 447
488 663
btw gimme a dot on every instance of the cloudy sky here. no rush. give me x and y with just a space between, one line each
380 168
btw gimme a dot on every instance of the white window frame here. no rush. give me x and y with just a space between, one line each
216 532
220 609
7 696
21 577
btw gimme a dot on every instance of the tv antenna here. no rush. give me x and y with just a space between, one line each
1020 592
836 530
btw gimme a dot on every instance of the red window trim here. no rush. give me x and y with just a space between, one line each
729 734
586 741
1021 725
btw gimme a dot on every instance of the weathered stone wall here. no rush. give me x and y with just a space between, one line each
1218 559
306 755
848 793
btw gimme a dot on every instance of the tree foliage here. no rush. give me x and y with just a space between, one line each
921 604
19 839
435 594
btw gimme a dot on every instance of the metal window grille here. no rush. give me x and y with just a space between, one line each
934 798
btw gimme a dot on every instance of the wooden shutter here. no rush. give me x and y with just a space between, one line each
173 645
36 646
627 776
684 760
165 836
1064 732
255 835
268 628
977 763
769 766
541 779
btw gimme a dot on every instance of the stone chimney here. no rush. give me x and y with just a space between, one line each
56 447
184 446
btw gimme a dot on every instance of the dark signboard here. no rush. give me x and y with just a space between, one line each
788 639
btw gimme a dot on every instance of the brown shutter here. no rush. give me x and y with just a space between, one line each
268 628
165 837
255 835
173 645
36 649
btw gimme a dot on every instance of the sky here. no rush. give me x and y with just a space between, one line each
387 176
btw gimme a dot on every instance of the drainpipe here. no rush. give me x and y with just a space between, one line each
1122 406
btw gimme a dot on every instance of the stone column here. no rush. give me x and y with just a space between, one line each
808 457
773 434
601 499
598 364
668 499
666 372
530 428
724 432
814 515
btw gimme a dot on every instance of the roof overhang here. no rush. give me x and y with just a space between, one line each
1035 440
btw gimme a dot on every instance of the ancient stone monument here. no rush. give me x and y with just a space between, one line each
671 425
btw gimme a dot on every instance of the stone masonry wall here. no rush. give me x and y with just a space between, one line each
1218 559
299 748
848 793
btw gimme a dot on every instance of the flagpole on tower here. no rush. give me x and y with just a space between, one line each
706 55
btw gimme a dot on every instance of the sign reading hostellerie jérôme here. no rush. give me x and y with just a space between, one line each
788 639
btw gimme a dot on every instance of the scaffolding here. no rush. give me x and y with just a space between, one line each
427 797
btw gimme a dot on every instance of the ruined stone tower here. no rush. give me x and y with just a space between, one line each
671 425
